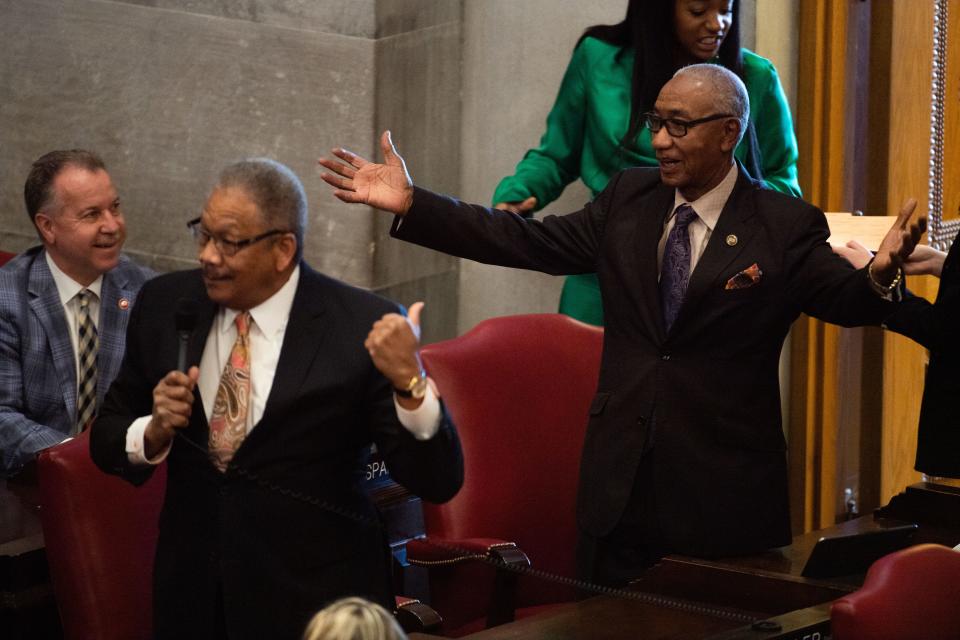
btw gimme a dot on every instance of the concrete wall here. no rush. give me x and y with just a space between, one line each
170 90
514 59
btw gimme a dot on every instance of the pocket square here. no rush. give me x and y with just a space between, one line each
746 278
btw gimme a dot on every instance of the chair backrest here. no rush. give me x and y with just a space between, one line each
911 593
100 534
519 390
5 257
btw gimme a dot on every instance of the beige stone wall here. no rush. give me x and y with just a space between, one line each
514 58
168 91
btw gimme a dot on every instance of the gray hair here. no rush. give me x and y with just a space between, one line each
275 189
727 89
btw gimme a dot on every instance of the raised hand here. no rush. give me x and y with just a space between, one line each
385 186
898 244
393 343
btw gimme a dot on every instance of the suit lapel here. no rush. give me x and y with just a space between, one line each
116 300
296 355
206 312
655 210
46 306
729 238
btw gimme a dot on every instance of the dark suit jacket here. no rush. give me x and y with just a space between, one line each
935 327
288 527
38 369
700 404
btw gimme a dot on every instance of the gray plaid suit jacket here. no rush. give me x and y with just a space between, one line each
38 379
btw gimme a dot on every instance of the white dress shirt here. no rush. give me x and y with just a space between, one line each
67 289
267 330
708 208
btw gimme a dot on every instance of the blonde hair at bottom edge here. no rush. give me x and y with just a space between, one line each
354 619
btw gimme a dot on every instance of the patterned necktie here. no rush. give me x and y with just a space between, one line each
675 272
87 346
228 423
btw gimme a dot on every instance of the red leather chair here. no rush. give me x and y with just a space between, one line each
909 594
5 257
100 534
519 390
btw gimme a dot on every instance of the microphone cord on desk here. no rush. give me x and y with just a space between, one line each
686 606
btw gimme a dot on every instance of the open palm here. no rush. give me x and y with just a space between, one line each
898 243
385 186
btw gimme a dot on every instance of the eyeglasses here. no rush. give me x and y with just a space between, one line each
678 128
226 247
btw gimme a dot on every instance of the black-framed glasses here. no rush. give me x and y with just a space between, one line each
678 128
226 247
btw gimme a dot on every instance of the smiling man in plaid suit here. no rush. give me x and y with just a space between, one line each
63 307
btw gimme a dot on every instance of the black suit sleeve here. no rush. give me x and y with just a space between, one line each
934 325
130 397
432 469
556 245
824 284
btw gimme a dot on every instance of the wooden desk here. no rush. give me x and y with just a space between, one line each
766 586
604 618
703 600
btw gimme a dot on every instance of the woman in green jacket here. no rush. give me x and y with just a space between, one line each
596 127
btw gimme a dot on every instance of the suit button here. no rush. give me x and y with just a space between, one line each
665 356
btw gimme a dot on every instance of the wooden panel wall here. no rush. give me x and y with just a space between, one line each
823 122
863 124
908 174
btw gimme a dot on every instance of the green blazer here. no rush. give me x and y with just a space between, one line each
591 115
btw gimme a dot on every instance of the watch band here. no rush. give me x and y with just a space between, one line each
416 388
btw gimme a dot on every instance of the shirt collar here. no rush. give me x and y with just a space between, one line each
710 205
67 287
272 314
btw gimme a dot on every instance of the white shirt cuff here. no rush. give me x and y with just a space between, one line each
135 444
424 421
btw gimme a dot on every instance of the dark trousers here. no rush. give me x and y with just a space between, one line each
635 543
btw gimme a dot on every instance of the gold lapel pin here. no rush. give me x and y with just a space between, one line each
124 304
731 240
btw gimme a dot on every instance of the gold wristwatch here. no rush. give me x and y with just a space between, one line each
416 388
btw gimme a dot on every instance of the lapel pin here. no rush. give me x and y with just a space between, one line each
731 240
124 304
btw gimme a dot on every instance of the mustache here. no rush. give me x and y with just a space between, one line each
212 273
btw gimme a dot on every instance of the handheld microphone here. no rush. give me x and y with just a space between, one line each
186 319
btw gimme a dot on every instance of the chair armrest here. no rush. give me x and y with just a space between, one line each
416 617
432 551
503 556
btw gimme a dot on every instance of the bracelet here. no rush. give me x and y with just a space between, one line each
416 388
885 288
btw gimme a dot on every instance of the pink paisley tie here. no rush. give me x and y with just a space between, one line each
228 423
